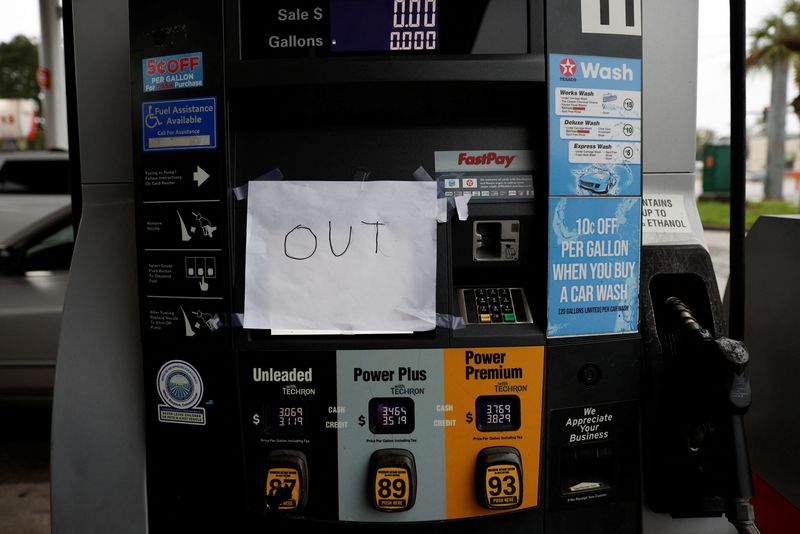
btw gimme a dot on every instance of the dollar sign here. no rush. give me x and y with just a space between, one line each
256 419
469 417
361 420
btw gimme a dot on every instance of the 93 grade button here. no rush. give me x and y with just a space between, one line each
392 480
498 478
502 486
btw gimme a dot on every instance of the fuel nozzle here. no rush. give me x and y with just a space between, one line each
725 362
728 356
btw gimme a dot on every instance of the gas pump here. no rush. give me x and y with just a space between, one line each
388 256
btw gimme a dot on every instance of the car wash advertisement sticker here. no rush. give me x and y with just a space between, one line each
181 390
181 71
595 125
593 269
186 124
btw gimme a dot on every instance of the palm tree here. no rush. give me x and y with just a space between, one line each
771 48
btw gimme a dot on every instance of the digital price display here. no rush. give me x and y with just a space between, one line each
384 25
285 419
497 413
391 415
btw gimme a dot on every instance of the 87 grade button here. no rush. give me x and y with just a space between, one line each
283 487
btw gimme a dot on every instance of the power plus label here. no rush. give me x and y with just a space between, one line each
181 71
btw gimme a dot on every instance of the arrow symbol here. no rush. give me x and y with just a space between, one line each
200 176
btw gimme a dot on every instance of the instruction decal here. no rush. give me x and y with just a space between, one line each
595 125
187 124
181 390
593 273
180 71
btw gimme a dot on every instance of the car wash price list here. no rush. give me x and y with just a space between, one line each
595 126
182 258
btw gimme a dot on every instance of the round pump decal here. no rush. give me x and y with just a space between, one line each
179 385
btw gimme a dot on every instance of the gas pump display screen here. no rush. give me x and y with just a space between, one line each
391 415
331 28
384 25
497 413
288 418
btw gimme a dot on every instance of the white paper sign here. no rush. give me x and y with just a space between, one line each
341 255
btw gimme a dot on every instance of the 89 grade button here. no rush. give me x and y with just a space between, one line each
392 480
392 488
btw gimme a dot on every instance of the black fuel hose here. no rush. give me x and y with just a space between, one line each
733 359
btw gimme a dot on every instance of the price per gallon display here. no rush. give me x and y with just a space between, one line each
285 419
384 25
391 415
497 413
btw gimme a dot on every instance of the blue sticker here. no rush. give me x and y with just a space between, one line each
180 71
595 126
593 271
188 124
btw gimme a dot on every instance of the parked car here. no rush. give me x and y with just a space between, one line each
34 171
36 243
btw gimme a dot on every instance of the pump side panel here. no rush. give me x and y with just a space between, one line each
97 449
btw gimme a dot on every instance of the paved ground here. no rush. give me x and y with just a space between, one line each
25 470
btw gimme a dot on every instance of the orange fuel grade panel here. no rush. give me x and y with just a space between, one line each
481 388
